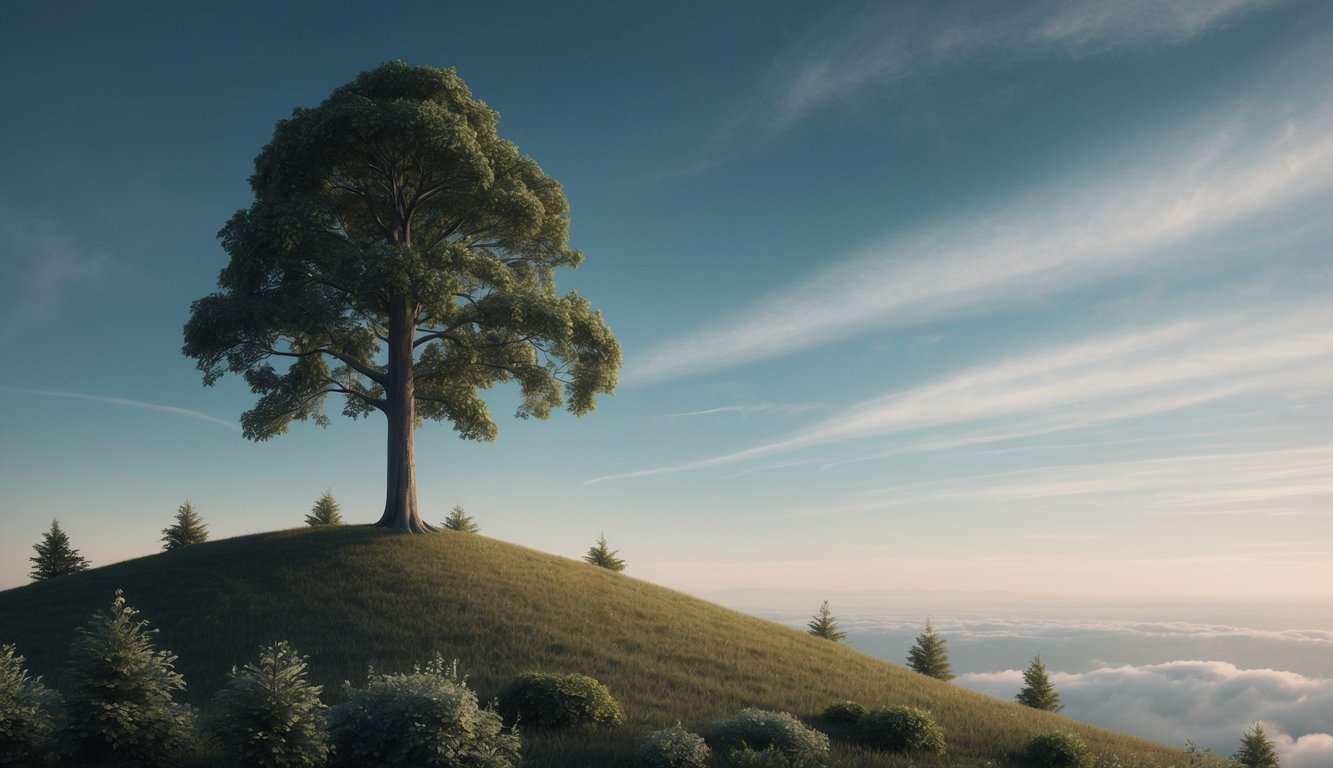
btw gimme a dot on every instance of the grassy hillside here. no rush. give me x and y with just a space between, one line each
352 597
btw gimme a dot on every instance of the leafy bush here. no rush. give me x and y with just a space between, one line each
548 700
268 715
756 729
901 729
1058 749
844 712
121 709
428 718
27 713
674 747
768 757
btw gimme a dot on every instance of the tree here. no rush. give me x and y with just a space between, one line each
55 557
823 625
121 708
325 511
188 529
929 656
1037 689
28 712
1256 749
604 557
401 255
458 521
269 715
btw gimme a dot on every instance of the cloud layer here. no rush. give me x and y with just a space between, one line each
1209 702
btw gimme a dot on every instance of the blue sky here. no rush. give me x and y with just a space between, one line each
1031 296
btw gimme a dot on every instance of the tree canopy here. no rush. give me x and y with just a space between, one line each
400 254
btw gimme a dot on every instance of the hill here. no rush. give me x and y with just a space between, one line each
353 597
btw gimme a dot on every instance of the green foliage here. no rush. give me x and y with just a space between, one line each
768 757
428 718
460 521
602 556
901 729
1256 749
823 625
188 529
121 708
325 511
546 700
1037 691
843 712
268 715
28 712
674 747
756 729
1058 749
1200 757
929 656
55 557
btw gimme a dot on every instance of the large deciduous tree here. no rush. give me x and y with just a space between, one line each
400 254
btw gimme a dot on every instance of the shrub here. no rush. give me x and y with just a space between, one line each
843 712
121 709
428 718
268 715
1058 749
27 713
768 757
559 701
674 747
901 729
757 729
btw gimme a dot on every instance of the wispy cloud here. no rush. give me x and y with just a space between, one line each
1210 702
744 409
118 401
1114 377
1266 168
39 265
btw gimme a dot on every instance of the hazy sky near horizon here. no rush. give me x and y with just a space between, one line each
1031 296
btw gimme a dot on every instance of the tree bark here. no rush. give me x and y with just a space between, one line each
400 501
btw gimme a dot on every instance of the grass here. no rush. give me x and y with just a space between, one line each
352 597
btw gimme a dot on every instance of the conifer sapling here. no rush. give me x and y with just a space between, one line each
1256 749
929 655
604 557
55 557
325 511
823 625
188 529
1038 692
459 521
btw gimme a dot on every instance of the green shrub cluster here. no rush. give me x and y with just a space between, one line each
428 718
759 730
901 729
768 757
546 700
843 712
1058 749
28 713
674 747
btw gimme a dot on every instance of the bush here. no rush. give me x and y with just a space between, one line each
1058 749
27 713
768 757
674 747
756 729
901 729
559 701
844 712
268 715
121 710
428 718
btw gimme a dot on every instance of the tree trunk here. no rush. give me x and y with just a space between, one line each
400 500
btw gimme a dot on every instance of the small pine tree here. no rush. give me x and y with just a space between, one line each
269 715
1256 749
1037 689
188 529
823 625
55 557
458 521
929 655
604 557
325 511
121 708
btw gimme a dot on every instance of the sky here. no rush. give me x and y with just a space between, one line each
923 295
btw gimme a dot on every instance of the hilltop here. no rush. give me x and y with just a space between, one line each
353 597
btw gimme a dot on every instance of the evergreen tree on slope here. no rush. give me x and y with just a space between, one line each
1038 692
459 521
1256 749
188 529
823 625
55 557
325 511
604 557
929 655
